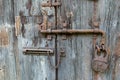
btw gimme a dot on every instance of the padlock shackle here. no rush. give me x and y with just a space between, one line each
101 49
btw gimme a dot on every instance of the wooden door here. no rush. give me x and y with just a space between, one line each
79 48
14 64
33 67
76 65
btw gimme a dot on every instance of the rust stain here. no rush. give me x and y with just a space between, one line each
17 25
96 75
43 26
28 6
4 38
23 18
117 48
116 56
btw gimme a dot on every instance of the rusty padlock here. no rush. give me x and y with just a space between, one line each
100 61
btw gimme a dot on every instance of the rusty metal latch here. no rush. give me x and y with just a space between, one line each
74 31
50 4
40 51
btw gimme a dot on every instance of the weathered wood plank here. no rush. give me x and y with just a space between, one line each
80 47
77 63
28 7
8 13
2 64
31 67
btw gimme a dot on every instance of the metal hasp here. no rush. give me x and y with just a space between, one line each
74 31
41 51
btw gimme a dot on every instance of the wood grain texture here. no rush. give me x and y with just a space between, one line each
1 8
14 65
79 49
32 67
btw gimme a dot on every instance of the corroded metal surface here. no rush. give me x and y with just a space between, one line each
100 61
74 31
117 47
51 4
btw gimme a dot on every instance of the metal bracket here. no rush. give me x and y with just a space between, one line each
42 51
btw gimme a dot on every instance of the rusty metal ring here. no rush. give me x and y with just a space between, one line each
100 49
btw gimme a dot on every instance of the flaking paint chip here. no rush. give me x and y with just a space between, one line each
4 40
